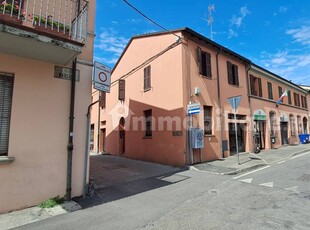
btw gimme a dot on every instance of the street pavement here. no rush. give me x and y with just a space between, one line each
133 194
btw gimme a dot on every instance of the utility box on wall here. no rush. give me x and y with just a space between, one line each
197 138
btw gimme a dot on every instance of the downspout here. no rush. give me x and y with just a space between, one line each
87 149
219 102
71 125
248 68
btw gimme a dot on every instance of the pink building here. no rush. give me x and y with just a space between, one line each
160 76
44 46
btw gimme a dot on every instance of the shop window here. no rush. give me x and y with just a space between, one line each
272 117
292 125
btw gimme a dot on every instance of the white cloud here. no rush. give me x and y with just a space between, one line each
111 44
232 33
282 9
237 20
301 35
294 67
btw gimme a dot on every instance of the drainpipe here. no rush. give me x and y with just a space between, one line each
219 101
87 148
70 141
248 67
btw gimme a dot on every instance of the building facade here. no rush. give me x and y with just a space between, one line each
45 85
160 76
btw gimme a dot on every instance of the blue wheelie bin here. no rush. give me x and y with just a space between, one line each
304 138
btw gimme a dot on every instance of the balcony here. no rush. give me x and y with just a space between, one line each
50 30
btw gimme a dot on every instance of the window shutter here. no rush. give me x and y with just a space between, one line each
289 97
252 85
236 76
229 73
270 95
280 91
149 77
102 100
260 91
121 89
6 93
199 60
208 64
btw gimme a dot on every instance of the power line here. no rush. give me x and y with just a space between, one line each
133 7
146 62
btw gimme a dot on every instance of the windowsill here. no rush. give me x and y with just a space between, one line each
147 137
237 86
207 77
6 160
209 135
148 89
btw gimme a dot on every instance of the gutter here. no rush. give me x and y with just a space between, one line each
219 101
71 125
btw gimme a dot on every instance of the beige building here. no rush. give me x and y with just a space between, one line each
163 77
43 48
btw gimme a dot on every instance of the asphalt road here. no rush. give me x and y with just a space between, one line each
275 197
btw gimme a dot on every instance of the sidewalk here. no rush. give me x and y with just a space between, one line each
33 214
250 161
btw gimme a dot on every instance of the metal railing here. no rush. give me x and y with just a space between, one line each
64 17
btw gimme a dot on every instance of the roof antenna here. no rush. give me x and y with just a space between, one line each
210 21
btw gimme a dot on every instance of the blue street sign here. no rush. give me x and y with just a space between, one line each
193 108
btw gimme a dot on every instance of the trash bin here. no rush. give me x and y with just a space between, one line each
304 138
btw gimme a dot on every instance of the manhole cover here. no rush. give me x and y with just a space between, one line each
214 191
305 178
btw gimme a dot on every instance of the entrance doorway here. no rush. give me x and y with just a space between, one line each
122 136
102 140
284 133
240 137
260 132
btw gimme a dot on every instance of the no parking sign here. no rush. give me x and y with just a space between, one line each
102 77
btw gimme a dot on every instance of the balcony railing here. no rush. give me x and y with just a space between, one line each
65 18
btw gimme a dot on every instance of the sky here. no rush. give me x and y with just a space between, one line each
273 34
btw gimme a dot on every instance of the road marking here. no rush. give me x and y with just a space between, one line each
300 155
280 162
249 180
269 184
251 172
292 189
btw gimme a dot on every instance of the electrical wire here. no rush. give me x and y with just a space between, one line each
146 62
133 7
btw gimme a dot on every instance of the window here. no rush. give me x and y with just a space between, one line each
147 78
292 125
232 71
148 122
270 94
272 117
6 93
256 86
102 101
207 120
299 125
204 63
289 97
280 91
296 99
121 89
303 102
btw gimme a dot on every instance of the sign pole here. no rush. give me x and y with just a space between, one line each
236 131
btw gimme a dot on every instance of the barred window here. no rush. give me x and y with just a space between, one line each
6 93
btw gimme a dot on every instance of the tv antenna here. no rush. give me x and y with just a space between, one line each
210 20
